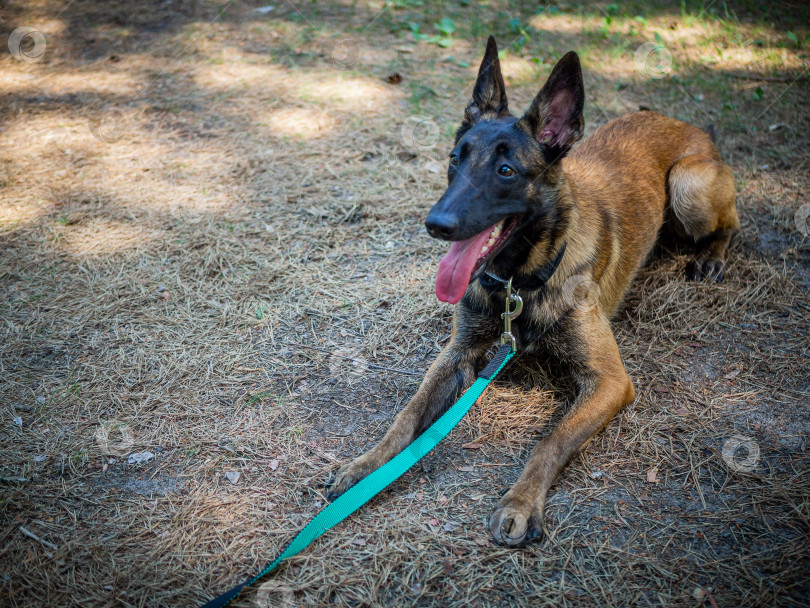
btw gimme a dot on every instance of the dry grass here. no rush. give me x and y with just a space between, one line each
210 226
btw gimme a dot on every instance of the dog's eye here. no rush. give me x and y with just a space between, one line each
454 159
506 171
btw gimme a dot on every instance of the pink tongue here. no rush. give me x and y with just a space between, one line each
457 266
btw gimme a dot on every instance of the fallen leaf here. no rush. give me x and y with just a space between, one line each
359 541
140 457
447 567
233 476
732 374
466 469
681 411
595 474
652 475
451 526
443 500
433 522
394 78
273 465
481 541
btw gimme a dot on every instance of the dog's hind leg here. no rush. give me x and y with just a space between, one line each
703 207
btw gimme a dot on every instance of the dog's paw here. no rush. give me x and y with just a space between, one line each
515 522
706 268
348 475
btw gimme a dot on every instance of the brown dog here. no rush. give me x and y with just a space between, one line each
519 206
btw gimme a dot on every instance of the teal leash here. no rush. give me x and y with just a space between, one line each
367 488
371 485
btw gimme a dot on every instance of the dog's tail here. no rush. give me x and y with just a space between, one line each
711 132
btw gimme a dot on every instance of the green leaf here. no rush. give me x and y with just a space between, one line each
759 93
446 26
658 38
446 43
793 38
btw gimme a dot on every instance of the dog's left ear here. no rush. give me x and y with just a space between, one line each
555 116
489 94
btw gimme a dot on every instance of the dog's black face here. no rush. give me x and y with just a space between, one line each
489 175
499 187
492 179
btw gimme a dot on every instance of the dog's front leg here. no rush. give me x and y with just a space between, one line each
604 388
450 375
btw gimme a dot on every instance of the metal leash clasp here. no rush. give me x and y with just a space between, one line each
510 315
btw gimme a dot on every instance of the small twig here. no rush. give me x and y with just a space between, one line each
759 77
30 534
372 365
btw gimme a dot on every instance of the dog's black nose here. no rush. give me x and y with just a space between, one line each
442 225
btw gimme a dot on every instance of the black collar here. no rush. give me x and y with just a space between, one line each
536 280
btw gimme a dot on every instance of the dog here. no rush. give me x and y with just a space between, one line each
521 204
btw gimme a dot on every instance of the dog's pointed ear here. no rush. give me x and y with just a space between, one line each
555 116
489 94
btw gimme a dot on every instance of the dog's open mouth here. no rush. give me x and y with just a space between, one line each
465 258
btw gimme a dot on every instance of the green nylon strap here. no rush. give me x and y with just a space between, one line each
368 487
